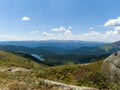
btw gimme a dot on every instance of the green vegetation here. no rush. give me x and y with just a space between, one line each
106 47
18 72
61 59
29 74
82 75
18 60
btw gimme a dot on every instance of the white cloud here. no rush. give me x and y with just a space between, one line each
25 18
47 34
91 28
7 36
117 28
54 29
69 27
113 22
113 32
92 33
63 33
68 32
89 36
108 33
61 28
34 31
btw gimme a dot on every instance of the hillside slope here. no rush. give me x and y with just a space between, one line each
18 60
20 72
103 49
17 71
89 75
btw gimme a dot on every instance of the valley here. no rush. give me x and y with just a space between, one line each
27 71
53 52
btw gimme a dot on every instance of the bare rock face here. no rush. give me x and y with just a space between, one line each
111 67
63 86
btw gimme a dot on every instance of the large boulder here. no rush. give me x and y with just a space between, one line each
111 67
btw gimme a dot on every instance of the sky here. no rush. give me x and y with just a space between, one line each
86 20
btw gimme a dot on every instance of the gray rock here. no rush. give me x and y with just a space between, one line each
111 67
63 86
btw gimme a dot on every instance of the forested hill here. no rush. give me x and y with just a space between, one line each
68 44
103 49
55 55
60 47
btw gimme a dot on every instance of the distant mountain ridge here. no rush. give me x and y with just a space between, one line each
68 44
60 47
103 49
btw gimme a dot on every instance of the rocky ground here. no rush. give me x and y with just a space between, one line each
44 83
62 86
111 67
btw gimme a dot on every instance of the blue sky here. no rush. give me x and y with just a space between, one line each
87 20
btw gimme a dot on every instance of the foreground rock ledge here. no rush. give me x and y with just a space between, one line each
111 67
65 86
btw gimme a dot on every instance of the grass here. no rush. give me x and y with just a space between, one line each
8 78
82 75
77 74
106 47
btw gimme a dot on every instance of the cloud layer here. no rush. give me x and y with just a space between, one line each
110 35
115 25
66 33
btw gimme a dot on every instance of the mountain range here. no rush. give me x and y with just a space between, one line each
60 47
68 44
103 49
60 52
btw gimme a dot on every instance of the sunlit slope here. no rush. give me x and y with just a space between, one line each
18 60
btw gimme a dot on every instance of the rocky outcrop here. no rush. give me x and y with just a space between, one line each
111 67
63 86
13 69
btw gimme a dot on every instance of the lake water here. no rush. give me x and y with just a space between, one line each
37 56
